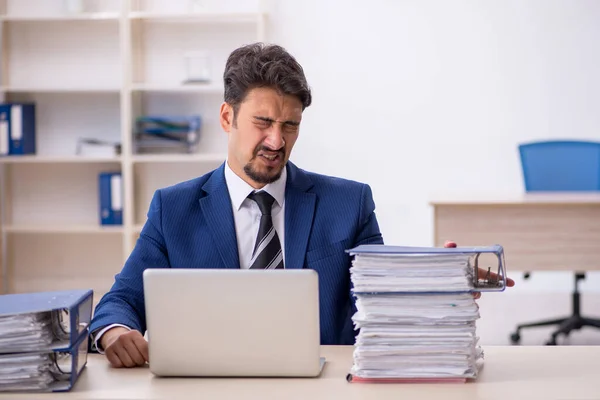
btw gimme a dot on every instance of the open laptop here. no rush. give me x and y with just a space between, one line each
235 323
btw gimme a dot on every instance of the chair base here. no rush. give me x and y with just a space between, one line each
565 325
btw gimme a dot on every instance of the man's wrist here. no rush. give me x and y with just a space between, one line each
98 335
110 335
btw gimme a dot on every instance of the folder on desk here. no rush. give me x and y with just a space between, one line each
17 129
43 320
437 260
44 371
43 339
416 314
111 198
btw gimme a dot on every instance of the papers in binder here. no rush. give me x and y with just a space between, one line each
43 339
424 269
44 320
44 371
416 312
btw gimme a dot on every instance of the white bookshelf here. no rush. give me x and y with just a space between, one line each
91 74
98 16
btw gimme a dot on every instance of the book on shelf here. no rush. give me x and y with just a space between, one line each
17 129
110 188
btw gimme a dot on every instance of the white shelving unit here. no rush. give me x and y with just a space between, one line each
91 73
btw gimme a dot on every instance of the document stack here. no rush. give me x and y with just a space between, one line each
416 312
43 340
90 147
167 134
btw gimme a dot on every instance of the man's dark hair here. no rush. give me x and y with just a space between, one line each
262 65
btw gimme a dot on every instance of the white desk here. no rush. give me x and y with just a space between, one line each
561 372
539 231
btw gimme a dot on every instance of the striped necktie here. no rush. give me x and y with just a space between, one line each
267 249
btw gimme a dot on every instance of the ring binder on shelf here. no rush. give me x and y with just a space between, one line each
480 284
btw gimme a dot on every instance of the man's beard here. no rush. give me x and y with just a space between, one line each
268 176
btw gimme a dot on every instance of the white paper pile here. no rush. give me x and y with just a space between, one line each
416 316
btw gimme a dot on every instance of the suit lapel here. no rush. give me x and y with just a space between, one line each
216 207
299 212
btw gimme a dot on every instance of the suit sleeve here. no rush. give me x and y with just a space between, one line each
368 233
124 303
368 227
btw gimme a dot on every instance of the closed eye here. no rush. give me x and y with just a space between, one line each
287 126
262 123
290 127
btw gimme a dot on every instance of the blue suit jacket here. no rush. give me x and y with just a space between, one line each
190 225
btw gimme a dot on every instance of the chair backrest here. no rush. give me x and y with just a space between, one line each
560 165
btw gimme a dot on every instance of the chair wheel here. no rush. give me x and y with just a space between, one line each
515 338
551 342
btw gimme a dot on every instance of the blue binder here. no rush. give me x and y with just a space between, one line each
44 371
60 318
111 198
4 134
44 339
17 128
480 284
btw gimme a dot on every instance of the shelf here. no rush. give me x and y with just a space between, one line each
60 89
34 159
193 88
212 17
178 158
73 229
92 79
100 16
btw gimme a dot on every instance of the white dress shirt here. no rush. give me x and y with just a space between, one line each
246 218
246 214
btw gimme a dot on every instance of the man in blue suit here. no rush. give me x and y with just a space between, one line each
214 220
257 210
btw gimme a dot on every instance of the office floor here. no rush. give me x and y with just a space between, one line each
501 312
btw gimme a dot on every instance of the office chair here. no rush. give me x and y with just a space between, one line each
561 166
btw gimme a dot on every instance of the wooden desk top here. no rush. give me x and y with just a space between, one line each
557 231
532 372
534 198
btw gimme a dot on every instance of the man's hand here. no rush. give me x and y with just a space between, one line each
481 273
124 348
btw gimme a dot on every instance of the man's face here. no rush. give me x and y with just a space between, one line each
263 134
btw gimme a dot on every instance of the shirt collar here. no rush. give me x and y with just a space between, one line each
240 189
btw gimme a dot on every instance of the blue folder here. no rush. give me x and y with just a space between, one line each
111 198
44 371
60 318
44 339
17 129
480 284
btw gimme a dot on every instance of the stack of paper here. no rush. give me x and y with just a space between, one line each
416 314
31 331
167 134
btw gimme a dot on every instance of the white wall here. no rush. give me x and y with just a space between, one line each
429 98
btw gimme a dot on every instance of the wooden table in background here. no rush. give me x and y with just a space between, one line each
539 232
